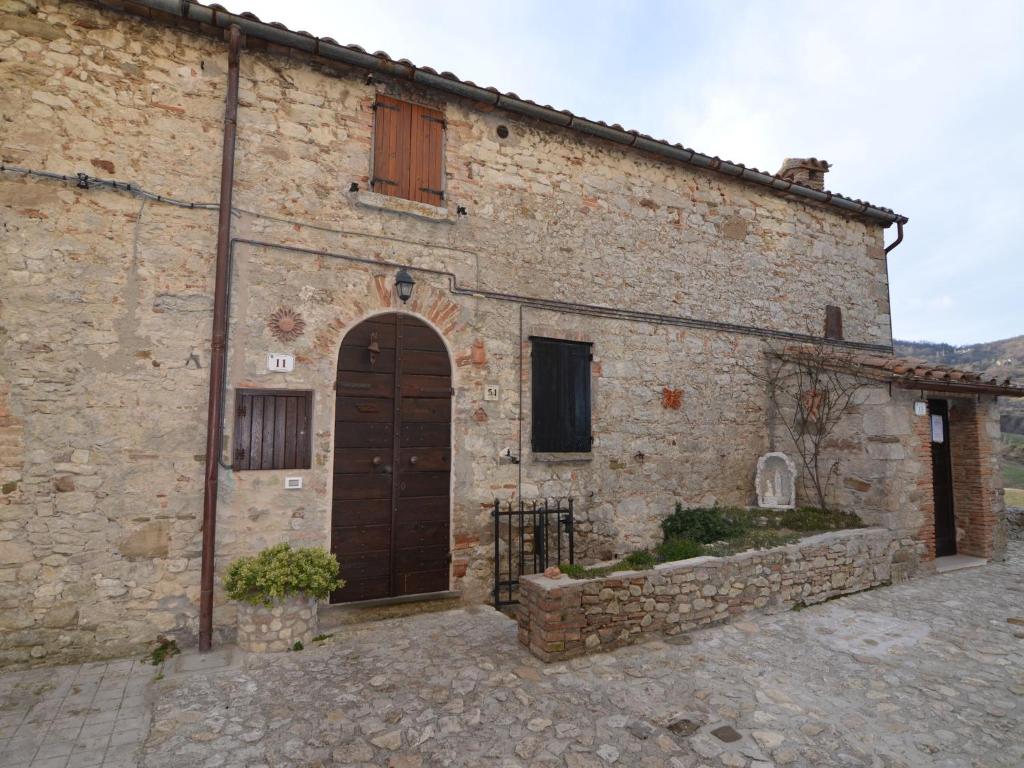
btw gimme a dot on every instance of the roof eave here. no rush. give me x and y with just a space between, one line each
208 18
934 385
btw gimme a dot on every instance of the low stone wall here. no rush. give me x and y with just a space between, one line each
1015 523
562 618
277 627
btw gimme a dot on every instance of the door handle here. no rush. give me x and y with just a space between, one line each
377 460
413 459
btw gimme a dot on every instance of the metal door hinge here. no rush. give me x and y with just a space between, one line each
379 180
382 105
438 192
433 119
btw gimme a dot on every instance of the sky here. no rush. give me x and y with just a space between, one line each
919 106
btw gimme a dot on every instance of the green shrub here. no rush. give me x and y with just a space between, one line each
679 549
756 538
574 570
165 648
280 571
705 524
814 519
640 560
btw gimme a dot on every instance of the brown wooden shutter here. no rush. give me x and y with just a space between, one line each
427 162
391 153
273 428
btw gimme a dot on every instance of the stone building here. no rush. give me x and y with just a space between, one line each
585 304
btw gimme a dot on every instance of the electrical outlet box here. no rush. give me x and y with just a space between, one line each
491 392
293 483
281 363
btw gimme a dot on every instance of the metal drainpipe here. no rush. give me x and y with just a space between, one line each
218 341
899 237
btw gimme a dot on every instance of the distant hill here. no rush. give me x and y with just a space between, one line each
997 359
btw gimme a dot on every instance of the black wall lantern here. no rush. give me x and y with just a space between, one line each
404 284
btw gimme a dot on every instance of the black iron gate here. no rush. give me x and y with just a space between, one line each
529 537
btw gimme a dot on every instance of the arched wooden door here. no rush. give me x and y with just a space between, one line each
392 460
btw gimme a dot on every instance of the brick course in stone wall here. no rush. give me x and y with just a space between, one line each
562 618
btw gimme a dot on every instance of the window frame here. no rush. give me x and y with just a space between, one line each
564 426
242 436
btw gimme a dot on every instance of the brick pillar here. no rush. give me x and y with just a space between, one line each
973 492
551 617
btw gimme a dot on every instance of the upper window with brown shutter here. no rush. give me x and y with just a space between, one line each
408 146
272 429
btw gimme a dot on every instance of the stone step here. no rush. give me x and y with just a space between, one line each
333 616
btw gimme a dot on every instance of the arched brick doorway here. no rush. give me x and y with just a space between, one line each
392 460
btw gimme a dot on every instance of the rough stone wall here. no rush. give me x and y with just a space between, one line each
107 305
277 627
885 468
1015 523
563 618
882 472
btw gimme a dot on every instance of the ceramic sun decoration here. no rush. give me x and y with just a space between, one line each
286 324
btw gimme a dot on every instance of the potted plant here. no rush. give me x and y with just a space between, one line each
277 591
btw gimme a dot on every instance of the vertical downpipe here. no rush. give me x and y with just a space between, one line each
218 345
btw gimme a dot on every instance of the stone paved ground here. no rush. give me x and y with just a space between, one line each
77 716
928 673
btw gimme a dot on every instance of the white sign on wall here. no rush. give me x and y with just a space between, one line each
491 392
280 362
920 408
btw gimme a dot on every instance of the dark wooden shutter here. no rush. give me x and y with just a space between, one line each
391 150
546 396
273 428
561 396
427 145
833 322
577 374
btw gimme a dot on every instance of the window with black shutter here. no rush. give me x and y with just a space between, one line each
561 396
408 145
272 429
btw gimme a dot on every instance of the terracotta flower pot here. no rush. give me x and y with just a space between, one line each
277 627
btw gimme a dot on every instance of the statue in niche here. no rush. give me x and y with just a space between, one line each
776 481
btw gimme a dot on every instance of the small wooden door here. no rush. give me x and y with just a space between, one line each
392 460
942 479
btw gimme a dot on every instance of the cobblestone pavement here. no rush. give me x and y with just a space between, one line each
76 716
928 673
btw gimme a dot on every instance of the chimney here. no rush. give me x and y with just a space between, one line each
805 171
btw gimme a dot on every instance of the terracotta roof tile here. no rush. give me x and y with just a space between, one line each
908 372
